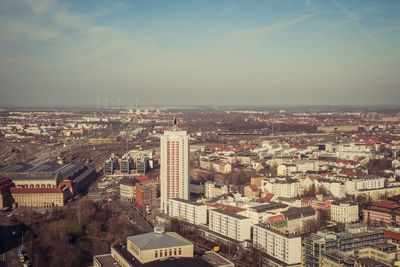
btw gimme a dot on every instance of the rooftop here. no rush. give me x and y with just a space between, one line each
187 201
231 214
154 241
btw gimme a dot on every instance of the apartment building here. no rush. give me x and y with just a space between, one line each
297 218
282 187
262 212
344 211
337 188
369 182
354 238
385 213
283 247
189 211
197 187
214 189
229 224
147 194
174 173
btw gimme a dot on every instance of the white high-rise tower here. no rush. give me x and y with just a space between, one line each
174 174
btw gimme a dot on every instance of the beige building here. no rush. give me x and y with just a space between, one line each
385 253
40 197
159 246
127 189
158 249
257 181
344 212
251 191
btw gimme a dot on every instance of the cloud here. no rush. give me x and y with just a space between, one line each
355 19
308 2
262 31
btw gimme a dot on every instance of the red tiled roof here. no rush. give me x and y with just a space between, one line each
142 178
268 197
386 204
15 190
392 235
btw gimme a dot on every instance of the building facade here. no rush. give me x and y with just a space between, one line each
344 212
146 195
214 189
229 224
174 173
279 244
40 197
127 189
189 211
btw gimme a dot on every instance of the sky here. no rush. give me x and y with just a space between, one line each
292 52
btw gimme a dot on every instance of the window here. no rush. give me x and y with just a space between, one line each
155 254
160 253
174 251
180 251
170 252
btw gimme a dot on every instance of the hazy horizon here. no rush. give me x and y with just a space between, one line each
183 53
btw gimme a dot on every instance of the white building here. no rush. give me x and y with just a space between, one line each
344 212
354 184
174 173
214 189
229 224
337 188
277 243
286 169
282 187
189 211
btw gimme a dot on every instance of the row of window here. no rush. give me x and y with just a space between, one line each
159 254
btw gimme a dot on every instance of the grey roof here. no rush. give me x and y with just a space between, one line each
187 201
216 259
270 206
156 241
296 213
232 214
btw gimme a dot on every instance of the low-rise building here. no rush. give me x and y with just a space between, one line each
189 211
40 197
298 219
383 213
282 187
197 187
214 189
354 238
158 248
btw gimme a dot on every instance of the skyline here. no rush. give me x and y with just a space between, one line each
68 53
